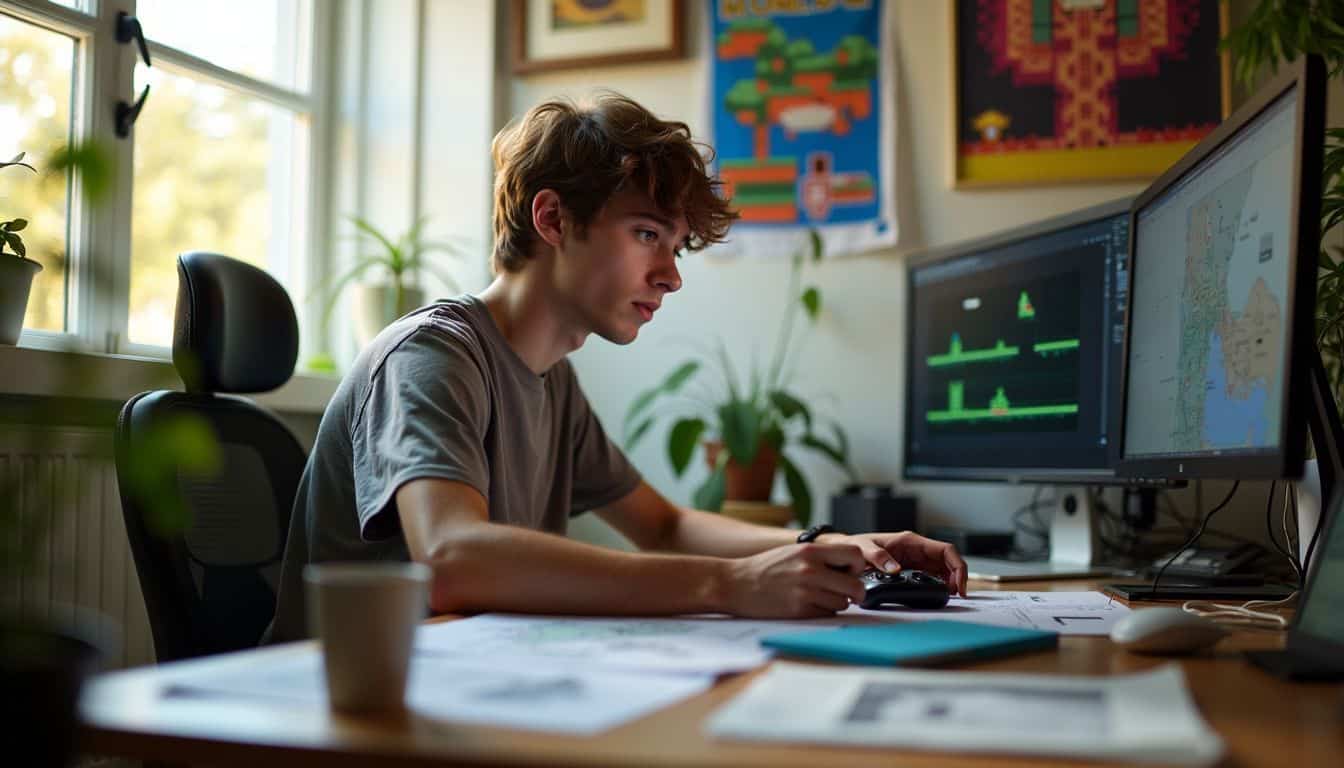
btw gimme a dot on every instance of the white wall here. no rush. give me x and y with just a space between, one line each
853 359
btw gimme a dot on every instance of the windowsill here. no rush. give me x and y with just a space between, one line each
48 373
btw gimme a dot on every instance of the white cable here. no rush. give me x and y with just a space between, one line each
1244 615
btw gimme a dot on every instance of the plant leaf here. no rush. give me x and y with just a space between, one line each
16 243
826 449
670 385
790 406
16 224
709 496
638 433
741 426
815 239
798 491
681 442
811 299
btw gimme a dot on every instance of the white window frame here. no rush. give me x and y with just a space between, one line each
99 237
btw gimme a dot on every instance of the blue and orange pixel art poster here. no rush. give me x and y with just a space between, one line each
1079 90
802 122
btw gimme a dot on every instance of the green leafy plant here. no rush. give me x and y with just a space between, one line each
401 259
744 419
9 230
1275 32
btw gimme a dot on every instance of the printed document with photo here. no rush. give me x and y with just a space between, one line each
1147 717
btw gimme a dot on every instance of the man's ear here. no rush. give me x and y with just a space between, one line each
548 217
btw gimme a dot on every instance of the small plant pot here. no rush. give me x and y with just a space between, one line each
376 306
746 483
16 282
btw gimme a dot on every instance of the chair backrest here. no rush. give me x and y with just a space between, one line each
211 587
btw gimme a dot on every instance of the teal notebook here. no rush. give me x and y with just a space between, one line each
912 643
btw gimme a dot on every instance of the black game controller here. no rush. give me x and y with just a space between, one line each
913 589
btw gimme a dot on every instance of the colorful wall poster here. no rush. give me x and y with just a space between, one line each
1083 90
803 123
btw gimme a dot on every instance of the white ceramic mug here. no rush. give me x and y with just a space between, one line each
365 615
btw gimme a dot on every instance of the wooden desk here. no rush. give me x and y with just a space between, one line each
1263 720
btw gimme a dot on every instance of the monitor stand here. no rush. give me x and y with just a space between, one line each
1074 546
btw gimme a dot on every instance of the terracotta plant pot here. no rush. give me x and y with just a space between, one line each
746 483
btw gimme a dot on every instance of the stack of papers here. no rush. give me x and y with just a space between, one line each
1147 717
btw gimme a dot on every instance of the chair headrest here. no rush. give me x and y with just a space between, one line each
235 328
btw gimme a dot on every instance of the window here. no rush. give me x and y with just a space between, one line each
218 159
37 67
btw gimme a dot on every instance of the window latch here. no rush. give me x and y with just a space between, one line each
128 29
127 114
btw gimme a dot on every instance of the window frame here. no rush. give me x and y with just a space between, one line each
99 237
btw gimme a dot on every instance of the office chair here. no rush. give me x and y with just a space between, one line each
211 588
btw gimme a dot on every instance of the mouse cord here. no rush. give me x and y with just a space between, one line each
1190 541
1244 615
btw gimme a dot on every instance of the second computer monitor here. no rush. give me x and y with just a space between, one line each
1013 352
1224 266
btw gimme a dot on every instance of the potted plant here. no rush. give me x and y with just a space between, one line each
401 260
1276 32
747 431
16 270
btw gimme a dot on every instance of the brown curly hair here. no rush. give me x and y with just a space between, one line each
589 153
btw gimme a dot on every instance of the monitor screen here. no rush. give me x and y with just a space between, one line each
1014 350
1216 303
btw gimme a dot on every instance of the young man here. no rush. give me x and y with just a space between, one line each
461 438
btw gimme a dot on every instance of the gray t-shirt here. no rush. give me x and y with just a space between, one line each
440 393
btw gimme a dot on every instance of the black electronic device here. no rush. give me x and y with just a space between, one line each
1208 563
1013 352
913 589
1221 373
1222 265
1315 644
872 507
1175 589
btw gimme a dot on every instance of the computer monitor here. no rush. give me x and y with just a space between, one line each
1013 347
1223 247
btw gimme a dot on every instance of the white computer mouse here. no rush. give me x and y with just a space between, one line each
1165 630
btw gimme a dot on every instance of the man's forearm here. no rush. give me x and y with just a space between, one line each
705 533
480 568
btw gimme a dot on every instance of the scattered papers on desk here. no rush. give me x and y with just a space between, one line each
556 698
698 646
1147 717
1068 613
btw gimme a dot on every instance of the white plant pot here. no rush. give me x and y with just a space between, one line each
376 307
16 282
1308 506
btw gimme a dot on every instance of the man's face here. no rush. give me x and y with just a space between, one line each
615 278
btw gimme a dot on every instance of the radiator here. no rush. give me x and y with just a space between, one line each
65 481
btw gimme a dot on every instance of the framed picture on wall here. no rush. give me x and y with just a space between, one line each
572 34
1051 91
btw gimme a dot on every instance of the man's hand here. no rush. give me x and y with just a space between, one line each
891 552
795 581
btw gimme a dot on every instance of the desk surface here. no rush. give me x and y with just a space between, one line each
1264 721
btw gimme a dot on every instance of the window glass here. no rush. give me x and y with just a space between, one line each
266 39
216 171
36 76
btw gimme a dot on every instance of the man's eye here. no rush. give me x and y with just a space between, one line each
646 235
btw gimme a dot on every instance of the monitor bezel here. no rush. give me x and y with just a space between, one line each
946 253
1307 76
